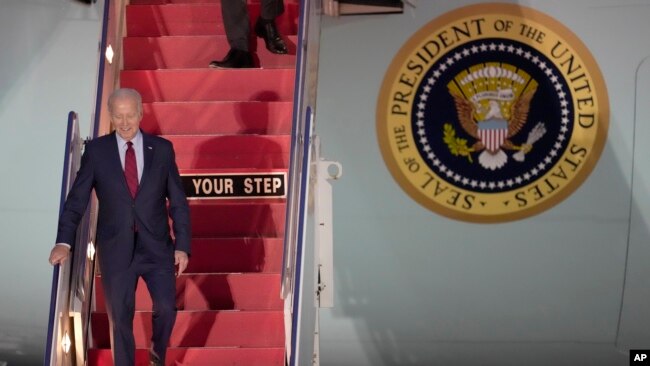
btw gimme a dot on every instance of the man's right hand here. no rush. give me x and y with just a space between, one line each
59 254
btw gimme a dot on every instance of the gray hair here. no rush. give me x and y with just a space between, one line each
125 93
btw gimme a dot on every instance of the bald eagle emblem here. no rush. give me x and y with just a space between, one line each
492 103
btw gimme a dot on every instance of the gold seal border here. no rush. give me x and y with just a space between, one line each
600 92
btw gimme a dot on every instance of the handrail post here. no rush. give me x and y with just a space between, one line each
323 234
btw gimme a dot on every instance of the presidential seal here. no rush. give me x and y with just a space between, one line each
492 113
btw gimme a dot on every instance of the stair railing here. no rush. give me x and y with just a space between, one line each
299 272
59 328
71 296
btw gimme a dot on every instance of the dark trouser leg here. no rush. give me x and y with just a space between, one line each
161 283
119 290
236 22
271 9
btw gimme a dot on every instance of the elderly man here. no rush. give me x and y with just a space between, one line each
135 176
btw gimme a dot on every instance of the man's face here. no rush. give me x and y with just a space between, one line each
125 117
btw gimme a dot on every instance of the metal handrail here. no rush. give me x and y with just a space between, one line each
295 183
59 300
304 100
298 178
72 288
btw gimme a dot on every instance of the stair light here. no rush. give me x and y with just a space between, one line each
90 252
66 343
109 54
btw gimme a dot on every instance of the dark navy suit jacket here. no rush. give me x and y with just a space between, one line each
101 169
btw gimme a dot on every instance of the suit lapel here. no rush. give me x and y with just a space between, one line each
148 152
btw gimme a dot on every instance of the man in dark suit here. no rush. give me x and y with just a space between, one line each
236 22
134 176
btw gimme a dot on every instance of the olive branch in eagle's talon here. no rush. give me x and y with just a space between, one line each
456 145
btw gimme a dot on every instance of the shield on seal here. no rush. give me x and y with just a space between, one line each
493 133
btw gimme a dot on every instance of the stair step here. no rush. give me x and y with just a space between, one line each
215 291
151 53
219 219
208 356
195 19
171 118
260 255
232 151
188 85
203 329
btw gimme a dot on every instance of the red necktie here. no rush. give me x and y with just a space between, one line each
131 169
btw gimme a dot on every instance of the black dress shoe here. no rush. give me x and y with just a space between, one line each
235 59
267 30
154 360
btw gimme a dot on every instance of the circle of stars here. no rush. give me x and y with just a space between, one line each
444 170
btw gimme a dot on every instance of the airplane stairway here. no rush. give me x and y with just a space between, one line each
220 122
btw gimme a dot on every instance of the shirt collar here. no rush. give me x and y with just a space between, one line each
136 140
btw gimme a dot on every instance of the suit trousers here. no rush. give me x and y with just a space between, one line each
119 290
237 22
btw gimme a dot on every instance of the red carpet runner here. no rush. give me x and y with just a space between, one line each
220 121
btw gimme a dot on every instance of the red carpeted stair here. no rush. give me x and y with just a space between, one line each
220 121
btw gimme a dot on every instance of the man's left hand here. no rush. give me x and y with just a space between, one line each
181 260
